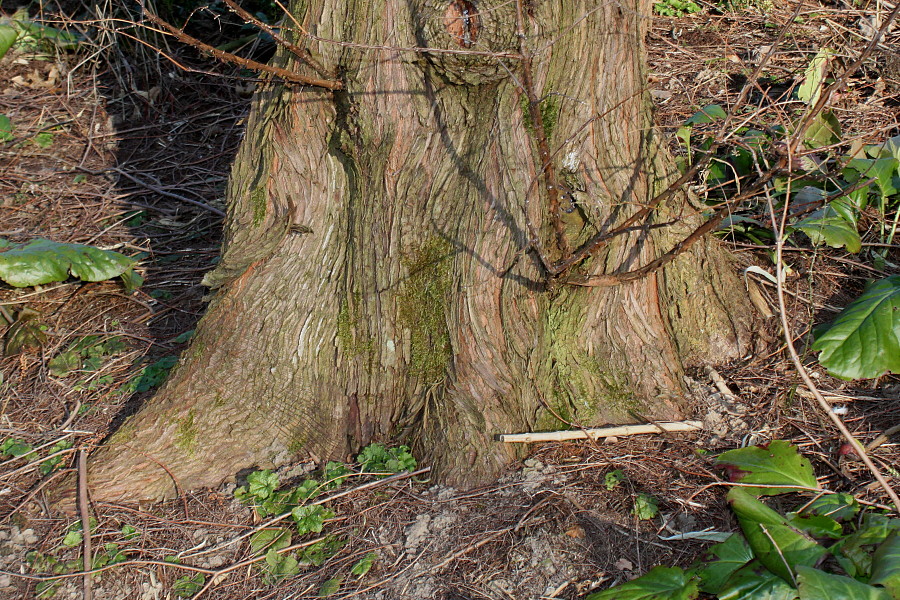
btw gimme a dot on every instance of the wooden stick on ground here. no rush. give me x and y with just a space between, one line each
601 432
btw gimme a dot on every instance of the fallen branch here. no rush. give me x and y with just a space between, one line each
600 432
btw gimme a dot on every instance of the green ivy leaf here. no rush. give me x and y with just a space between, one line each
185 587
274 538
129 532
12 447
280 566
836 506
262 484
863 342
310 519
64 363
755 582
645 507
331 586
809 90
73 538
732 554
775 543
827 226
819 585
660 583
612 479
363 565
776 463
886 565
42 261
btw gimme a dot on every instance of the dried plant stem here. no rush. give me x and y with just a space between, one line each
859 449
84 508
622 430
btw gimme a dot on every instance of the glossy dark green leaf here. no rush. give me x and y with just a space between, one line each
817 526
827 226
42 261
883 170
775 543
886 565
819 585
836 506
660 583
776 463
863 342
755 582
731 555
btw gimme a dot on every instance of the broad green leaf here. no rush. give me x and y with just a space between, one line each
732 554
827 226
129 532
274 538
8 35
363 565
824 130
660 583
6 134
331 586
886 565
863 342
811 87
42 261
755 582
819 585
836 506
776 463
775 543
855 552
882 170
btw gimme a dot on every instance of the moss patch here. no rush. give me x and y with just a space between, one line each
549 109
258 202
350 331
422 304
186 433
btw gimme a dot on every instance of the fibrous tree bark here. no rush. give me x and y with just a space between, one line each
384 274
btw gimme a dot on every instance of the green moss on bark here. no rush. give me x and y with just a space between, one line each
422 304
186 433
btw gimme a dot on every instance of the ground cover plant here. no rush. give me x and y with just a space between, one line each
144 177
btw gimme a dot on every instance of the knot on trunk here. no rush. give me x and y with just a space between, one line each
483 26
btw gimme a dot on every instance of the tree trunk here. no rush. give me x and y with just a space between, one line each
379 280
